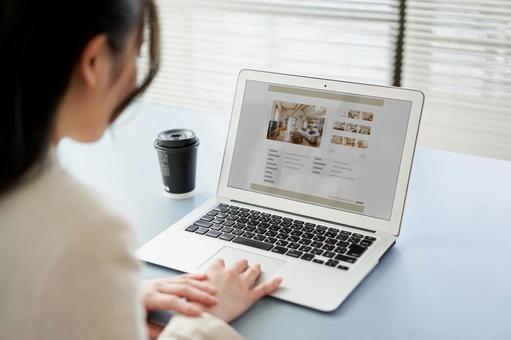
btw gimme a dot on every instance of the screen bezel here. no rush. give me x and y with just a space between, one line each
391 226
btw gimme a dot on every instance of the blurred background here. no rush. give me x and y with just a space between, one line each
457 51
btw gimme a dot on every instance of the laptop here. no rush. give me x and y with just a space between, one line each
312 186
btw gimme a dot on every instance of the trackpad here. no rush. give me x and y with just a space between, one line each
269 266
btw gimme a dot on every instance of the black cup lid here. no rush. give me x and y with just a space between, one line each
176 138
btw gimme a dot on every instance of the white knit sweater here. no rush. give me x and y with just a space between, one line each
68 271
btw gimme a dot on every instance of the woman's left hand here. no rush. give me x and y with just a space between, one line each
179 294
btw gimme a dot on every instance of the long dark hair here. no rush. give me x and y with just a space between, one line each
40 44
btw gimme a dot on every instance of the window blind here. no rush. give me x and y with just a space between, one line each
459 53
206 43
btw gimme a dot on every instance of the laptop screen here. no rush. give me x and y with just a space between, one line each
332 149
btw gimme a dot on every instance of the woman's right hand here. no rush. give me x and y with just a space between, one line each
236 289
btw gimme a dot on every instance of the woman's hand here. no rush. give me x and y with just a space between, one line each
236 288
185 294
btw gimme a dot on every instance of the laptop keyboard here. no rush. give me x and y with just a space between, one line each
306 241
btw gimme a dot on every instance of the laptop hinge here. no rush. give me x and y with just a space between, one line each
304 216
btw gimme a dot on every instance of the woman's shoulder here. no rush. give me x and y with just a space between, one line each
56 209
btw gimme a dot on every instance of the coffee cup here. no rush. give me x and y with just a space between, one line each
177 154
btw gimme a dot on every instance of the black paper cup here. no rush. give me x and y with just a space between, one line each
177 154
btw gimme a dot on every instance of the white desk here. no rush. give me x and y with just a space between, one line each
448 277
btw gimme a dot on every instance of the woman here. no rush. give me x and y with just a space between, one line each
68 69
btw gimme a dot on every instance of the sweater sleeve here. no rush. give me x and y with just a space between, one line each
92 290
204 327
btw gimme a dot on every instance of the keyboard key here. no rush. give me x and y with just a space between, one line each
293 239
253 223
365 243
223 205
281 243
356 250
358 235
329 254
217 227
228 223
316 251
304 241
328 247
369 238
287 219
308 224
212 213
238 225
298 222
242 220
346 259
270 240
282 236
192 228
343 267
294 253
218 221
249 228
264 225
342 237
213 233
201 230
319 231
274 227
226 229
260 230
226 236
293 245
331 263
343 244
244 209
354 239
333 230
319 238
318 261
237 232
340 250
307 257
233 212
308 229
221 215
279 250
316 244
252 243
221 209
259 237
308 235
305 248
344 232
330 234
285 230
248 234
331 241
234 207
232 218
276 217
203 224
321 227
271 233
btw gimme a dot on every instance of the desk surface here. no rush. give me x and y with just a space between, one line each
448 276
